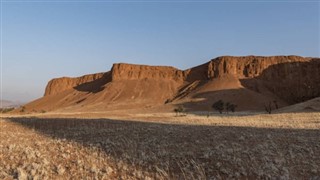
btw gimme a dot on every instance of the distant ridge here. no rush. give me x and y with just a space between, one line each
9 104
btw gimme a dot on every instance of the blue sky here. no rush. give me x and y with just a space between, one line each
44 40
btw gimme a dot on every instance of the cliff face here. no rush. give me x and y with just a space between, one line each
120 71
58 85
295 81
289 78
247 66
137 72
292 78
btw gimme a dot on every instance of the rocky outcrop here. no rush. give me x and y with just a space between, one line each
291 79
246 66
58 85
123 71
295 81
120 71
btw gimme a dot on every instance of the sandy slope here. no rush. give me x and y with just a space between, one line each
312 105
229 89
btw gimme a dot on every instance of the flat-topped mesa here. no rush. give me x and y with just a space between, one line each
58 85
122 71
256 79
243 67
246 66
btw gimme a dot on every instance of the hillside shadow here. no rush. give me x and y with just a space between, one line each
284 84
293 82
96 85
150 146
244 99
197 73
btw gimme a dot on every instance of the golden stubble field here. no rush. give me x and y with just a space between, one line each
160 146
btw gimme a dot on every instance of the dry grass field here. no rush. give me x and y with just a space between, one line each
160 146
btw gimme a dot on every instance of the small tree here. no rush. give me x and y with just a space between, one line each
227 107
276 104
219 106
178 110
168 101
23 109
233 107
230 107
268 107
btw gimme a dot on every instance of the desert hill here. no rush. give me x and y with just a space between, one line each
312 105
9 104
248 81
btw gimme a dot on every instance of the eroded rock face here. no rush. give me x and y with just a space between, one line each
295 82
58 85
246 66
241 67
135 72
291 78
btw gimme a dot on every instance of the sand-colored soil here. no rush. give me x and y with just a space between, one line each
160 146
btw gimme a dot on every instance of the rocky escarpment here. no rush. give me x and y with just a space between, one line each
295 81
58 85
291 79
124 71
119 71
247 66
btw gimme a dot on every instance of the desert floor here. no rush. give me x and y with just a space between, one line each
160 146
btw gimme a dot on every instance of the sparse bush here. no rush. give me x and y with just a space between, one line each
178 110
230 107
276 104
168 101
43 111
219 106
233 107
268 108
23 109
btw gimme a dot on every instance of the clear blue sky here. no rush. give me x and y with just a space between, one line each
43 40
